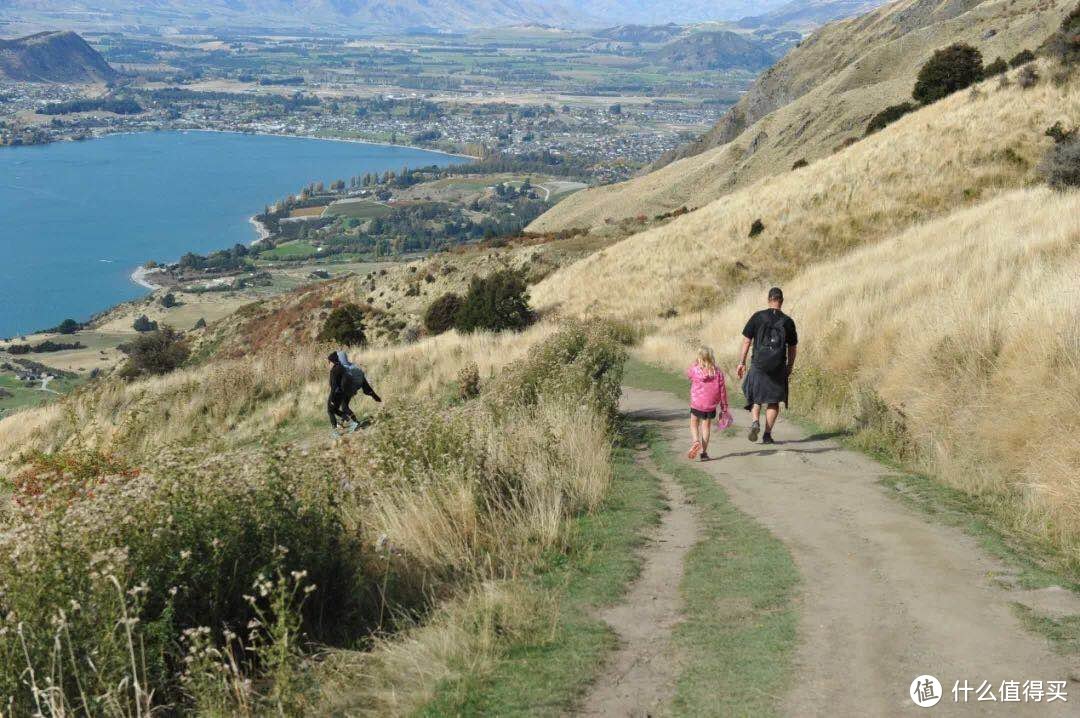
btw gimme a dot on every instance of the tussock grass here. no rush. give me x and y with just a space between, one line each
952 154
235 402
198 578
953 346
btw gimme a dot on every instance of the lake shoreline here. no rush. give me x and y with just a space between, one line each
100 289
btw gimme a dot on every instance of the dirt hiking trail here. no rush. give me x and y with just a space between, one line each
639 680
886 595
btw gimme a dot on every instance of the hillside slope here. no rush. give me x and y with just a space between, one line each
916 169
819 96
53 57
951 345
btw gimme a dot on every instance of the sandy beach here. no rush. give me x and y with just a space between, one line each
141 276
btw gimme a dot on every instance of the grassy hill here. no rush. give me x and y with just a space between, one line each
817 98
203 534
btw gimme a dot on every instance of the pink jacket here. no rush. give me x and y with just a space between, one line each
706 392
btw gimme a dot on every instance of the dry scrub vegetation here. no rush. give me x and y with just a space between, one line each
189 543
955 153
954 345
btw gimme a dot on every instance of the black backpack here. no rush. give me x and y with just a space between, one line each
770 344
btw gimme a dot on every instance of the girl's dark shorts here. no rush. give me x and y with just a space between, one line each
703 414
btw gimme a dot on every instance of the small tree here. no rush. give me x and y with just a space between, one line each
757 228
345 326
888 116
497 302
143 324
441 315
155 353
168 301
950 69
68 326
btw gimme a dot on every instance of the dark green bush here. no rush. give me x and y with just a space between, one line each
68 326
143 324
757 228
950 69
888 116
799 164
1022 58
344 326
497 302
442 313
155 353
996 67
168 300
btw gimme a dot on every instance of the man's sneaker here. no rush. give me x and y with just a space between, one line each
335 434
353 427
704 455
767 439
754 429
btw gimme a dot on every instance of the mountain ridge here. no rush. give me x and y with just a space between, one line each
61 56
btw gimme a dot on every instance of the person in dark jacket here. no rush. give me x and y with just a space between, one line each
342 390
775 342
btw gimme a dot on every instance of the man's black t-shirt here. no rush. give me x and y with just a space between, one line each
771 315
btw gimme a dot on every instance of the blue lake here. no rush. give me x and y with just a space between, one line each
76 218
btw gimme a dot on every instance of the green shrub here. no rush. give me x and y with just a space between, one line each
154 353
799 164
142 323
344 326
1022 58
442 313
201 556
168 300
950 69
497 302
757 228
68 326
888 116
997 67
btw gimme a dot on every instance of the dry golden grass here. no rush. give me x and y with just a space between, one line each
955 153
228 403
822 93
966 329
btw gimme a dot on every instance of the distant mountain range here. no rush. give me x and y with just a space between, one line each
809 14
53 57
373 15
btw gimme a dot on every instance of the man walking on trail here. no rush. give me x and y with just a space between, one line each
775 340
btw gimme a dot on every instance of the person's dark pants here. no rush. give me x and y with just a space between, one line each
337 406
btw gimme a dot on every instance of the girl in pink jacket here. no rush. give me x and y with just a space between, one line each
708 391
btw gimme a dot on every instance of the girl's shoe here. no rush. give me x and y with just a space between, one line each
695 449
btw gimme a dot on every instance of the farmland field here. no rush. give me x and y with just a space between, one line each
357 209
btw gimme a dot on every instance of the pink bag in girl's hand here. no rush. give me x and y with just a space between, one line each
724 420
